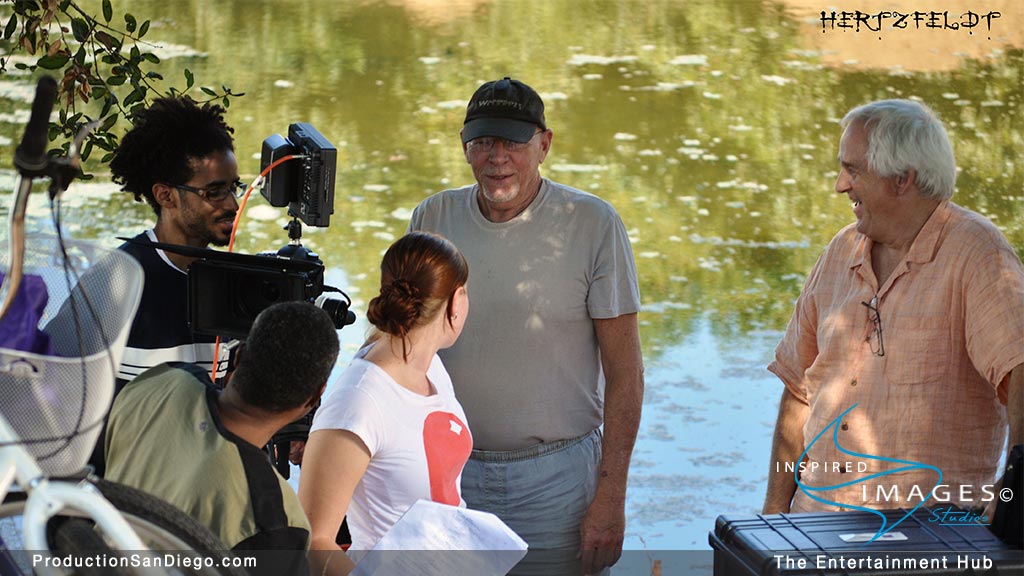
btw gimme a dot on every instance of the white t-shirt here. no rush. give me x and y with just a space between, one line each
418 444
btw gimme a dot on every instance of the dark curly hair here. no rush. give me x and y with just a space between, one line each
419 275
164 138
288 356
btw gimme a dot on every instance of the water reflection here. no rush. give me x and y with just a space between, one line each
712 126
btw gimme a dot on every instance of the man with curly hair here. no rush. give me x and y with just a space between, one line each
179 157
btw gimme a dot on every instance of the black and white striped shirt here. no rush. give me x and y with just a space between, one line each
160 331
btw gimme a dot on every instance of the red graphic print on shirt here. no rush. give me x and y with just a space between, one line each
447 443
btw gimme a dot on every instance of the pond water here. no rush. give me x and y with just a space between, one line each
711 125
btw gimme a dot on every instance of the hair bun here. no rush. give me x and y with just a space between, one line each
419 276
402 289
397 308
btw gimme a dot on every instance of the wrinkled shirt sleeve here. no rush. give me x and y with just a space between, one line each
799 346
994 298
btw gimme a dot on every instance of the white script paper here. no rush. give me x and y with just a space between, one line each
432 538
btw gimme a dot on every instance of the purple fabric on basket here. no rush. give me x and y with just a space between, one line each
19 328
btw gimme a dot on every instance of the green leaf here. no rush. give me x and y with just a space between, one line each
226 102
107 157
150 57
86 150
80 28
107 40
155 75
136 95
144 28
189 79
108 103
130 23
208 91
80 56
108 123
116 80
108 11
21 66
135 53
53 62
12 25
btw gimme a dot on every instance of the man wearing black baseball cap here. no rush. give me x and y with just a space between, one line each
504 108
551 351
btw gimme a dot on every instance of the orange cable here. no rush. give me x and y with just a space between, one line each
231 242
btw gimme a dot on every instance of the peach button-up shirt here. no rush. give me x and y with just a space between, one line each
952 328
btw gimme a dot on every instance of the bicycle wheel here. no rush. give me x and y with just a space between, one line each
78 538
69 538
162 527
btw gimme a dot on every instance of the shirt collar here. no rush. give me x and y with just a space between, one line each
927 241
925 244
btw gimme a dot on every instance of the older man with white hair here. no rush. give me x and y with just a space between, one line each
549 368
902 362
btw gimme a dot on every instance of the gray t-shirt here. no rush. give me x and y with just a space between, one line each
527 366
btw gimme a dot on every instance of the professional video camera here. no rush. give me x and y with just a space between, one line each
227 291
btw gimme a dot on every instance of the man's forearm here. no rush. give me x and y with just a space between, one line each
787 445
624 394
603 526
623 401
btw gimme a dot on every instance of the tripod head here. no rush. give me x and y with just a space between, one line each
294 250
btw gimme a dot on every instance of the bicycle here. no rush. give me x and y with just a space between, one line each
58 390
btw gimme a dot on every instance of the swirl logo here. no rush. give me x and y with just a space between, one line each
814 491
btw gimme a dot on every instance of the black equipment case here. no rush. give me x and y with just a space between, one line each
836 544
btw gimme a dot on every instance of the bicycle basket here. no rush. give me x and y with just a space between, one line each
56 402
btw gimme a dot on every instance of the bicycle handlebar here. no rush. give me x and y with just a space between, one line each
31 160
30 155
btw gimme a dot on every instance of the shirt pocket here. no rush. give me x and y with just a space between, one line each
917 349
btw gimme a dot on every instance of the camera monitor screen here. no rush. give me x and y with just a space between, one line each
305 185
